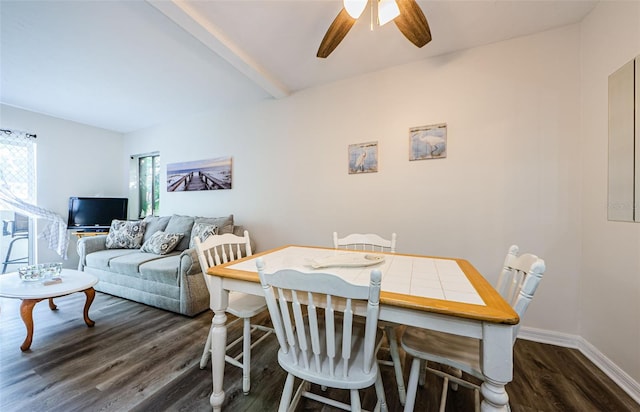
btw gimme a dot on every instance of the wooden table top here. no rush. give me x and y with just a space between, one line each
448 286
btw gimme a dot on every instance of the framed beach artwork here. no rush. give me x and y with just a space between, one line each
209 174
363 157
428 142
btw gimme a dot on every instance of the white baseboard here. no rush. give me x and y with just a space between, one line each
620 377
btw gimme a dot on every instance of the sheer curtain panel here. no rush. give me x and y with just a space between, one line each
18 188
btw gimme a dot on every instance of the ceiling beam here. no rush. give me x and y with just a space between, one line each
204 30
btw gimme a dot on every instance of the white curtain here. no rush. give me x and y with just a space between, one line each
56 231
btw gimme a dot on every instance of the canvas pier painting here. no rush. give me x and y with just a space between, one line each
209 174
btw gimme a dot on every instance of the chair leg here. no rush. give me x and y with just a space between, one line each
390 331
443 395
246 356
423 372
206 353
287 391
382 400
412 386
7 259
355 400
458 374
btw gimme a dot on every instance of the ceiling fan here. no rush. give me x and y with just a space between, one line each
406 14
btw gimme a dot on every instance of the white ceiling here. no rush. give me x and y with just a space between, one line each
127 65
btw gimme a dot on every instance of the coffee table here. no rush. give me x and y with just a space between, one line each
11 286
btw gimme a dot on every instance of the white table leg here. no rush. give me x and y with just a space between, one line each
495 396
218 348
497 366
218 301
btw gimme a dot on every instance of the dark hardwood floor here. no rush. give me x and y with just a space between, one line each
138 358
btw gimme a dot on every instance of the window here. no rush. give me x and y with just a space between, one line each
18 173
148 183
17 155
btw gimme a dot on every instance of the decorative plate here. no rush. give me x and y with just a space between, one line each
347 260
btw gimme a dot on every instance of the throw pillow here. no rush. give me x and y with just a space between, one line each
201 231
125 234
181 224
224 224
161 243
154 224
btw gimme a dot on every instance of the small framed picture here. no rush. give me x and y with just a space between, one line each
363 157
428 142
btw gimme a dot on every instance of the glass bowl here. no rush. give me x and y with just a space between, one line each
52 269
32 273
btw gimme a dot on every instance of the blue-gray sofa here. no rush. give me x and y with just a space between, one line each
171 281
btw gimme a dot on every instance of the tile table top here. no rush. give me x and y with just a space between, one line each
436 278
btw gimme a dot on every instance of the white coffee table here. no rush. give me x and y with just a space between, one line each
11 286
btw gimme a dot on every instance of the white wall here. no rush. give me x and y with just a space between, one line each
610 270
512 174
71 160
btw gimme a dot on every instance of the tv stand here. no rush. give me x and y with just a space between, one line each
89 229
83 232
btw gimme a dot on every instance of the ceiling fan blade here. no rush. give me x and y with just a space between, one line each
336 32
412 23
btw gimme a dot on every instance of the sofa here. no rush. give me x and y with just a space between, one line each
153 261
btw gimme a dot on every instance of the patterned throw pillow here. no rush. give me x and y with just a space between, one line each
202 230
125 234
161 243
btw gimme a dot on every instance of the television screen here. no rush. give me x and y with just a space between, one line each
96 212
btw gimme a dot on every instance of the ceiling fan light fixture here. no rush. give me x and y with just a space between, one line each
387 11
355 7
406 14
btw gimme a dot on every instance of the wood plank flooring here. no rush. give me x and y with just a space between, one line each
138 358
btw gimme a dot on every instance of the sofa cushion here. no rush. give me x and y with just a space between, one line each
224 224
154 224
163 270
125 234
130 264
161 243
181 224
100 259
202 231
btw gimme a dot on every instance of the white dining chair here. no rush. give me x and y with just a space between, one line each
376 243
215 250
369 241
518 282
321 341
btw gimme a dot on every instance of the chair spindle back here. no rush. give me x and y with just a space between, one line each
519 280
321 344
369 241
218 249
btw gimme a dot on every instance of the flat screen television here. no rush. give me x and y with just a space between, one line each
96 213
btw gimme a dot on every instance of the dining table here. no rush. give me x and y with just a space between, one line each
437 293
